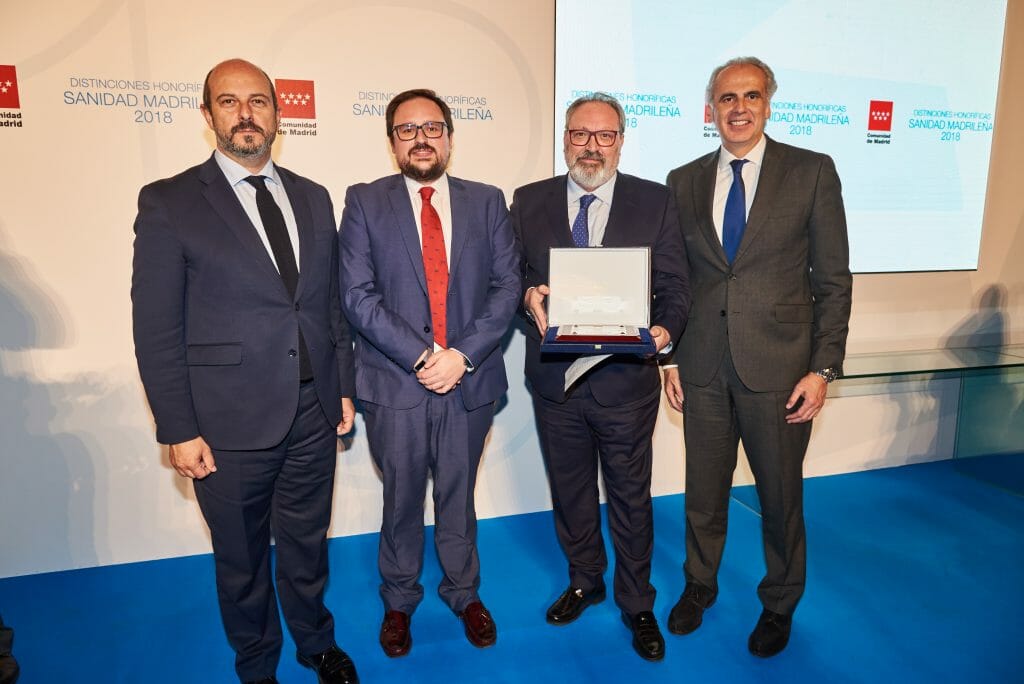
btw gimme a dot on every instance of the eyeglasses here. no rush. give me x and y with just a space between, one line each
580 137
431 129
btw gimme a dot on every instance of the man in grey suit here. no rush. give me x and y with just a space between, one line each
765 234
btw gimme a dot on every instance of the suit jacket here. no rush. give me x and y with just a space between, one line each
384 289
784 303
643 214
216 333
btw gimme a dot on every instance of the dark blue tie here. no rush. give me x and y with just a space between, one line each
580 231
735 219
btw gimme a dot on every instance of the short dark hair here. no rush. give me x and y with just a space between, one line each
426 94
769 76
206 83
597 96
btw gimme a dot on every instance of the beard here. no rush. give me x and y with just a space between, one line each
586 176
250 146
423 175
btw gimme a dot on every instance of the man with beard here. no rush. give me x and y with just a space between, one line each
246 360
607 415
429 283
765 231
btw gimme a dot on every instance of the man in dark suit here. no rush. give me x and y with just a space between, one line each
247 363
429 282
765 234
607 415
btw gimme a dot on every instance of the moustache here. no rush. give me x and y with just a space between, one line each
590 154
422 147
248 126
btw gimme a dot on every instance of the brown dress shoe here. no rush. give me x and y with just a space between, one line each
395 635
480 628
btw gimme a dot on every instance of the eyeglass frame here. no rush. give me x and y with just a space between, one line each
591 134
416 128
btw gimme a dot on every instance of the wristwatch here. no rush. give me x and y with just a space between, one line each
827 374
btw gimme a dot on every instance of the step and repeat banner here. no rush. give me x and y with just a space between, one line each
901 94
97 98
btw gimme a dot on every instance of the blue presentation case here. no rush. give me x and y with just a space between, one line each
599 286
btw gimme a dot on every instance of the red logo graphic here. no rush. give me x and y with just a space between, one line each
296 99
9 88
707 113
880 116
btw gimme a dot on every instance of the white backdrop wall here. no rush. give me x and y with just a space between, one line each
82 482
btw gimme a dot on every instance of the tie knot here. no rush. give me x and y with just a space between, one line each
256 182
426 192
586 201
737 166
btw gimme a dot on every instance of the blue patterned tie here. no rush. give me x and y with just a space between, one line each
735 219
580 232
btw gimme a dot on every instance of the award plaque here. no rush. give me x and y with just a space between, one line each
600 301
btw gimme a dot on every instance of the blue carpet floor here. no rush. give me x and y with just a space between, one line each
915 575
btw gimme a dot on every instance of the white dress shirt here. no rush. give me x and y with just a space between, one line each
236 175
597 214
751 173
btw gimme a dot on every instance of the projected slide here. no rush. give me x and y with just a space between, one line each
900 94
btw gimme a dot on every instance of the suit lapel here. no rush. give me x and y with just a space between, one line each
617 231
557 211
769 182
303 222
401 207
460 223
225 203
704 203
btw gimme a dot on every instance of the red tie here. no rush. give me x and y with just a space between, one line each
435 265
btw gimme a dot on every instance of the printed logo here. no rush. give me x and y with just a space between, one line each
880 115
296 99
9 88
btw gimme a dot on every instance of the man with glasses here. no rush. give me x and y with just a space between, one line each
608 415
430 283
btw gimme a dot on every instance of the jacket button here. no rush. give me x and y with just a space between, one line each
292 352
426 328
296 306
722 312
732 276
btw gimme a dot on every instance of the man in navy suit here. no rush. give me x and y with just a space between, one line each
429 282
608 415
247 363
765 233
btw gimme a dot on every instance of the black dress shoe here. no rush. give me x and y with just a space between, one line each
571 604
395 634
333 666
647 639
688 612
771 634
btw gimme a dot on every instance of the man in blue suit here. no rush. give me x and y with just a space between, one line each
247 363
608 415
429 282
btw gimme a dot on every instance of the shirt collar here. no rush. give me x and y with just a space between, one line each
603 192
236 173
440 185
755 156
